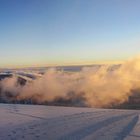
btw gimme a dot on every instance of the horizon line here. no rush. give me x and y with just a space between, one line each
63 65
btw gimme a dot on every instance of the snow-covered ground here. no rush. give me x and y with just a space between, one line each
33 122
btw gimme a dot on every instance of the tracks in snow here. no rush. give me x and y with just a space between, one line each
96 125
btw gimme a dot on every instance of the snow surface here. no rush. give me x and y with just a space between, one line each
34 122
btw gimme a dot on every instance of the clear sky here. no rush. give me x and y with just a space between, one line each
57 32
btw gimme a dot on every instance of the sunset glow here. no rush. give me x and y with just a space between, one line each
51 32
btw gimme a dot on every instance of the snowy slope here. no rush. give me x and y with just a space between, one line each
32 122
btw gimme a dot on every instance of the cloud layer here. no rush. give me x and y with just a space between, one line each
95 86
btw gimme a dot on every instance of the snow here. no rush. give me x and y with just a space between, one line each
34 122
135 133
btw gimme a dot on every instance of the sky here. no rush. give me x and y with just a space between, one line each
66 32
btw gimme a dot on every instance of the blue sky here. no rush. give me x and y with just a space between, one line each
57 32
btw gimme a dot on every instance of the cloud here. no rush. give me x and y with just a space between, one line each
92 86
